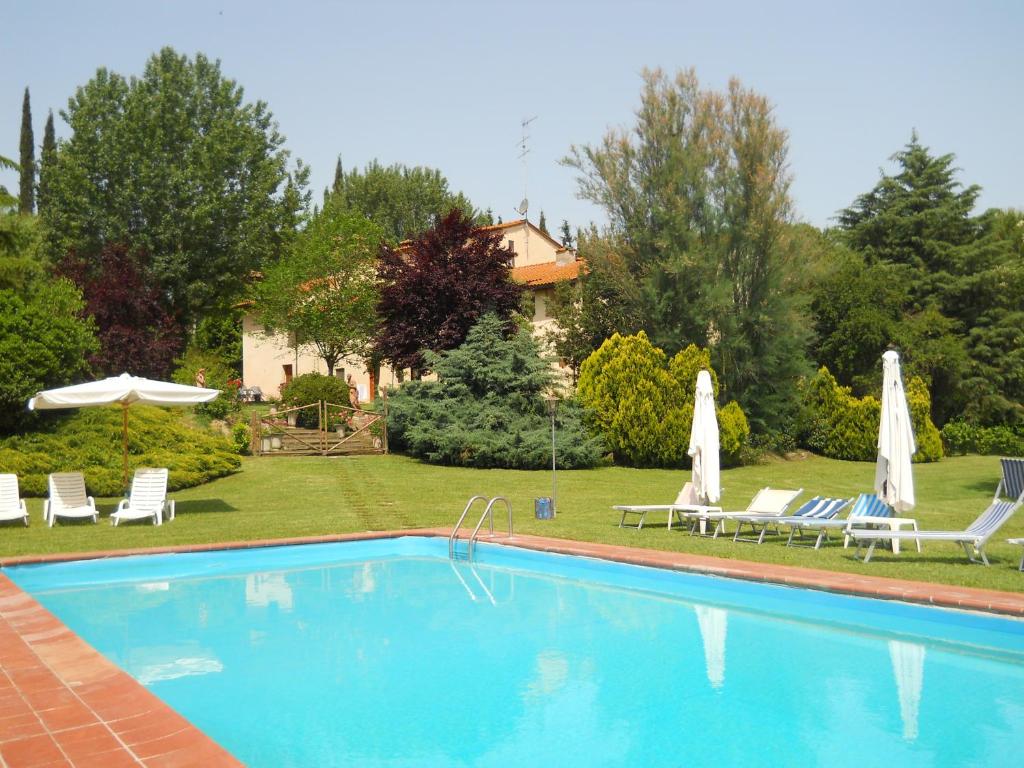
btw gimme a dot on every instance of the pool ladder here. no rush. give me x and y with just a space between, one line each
488 515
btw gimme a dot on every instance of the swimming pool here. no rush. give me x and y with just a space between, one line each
385 653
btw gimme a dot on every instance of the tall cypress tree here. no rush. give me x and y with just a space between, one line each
46 159
27 193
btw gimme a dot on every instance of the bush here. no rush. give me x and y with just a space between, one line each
89 441
960 437
834 423
219 375
241 438
642 403
43 344
311 388
486 408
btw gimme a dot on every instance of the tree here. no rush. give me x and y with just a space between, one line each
486 408
324 291
436 287
542 225
27 186
959 283
177 164
135 331
698 198
566 233
46 160
403 201
604 300
43 343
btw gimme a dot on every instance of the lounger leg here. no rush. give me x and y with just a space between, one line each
789 541
1019 569
822 535
764 530
871 551
981 554
967 551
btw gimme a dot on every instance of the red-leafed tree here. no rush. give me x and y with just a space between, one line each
436 287
136 332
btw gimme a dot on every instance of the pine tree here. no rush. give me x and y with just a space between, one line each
27 192
542 225
566 234
46 160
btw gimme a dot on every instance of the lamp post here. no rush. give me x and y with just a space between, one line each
552 403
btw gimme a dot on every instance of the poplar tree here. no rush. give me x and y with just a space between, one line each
27 187
697 192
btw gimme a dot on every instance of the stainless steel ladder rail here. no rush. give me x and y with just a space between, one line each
489 515
455 531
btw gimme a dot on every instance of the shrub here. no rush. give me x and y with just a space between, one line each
311 388
43 344
89 441
834 423
219 375
241 438
960 437
486 408
642 403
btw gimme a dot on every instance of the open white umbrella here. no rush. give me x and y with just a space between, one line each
894 479
704 442
124 390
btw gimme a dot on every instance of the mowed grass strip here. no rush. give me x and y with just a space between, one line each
297 496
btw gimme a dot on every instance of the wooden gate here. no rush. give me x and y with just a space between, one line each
320 428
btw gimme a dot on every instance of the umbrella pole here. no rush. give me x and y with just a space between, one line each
124 445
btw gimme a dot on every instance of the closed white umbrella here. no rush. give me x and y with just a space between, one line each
125 390
704 442
894 479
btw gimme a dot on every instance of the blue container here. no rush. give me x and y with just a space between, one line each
542 508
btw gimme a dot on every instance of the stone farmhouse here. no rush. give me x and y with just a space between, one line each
270 361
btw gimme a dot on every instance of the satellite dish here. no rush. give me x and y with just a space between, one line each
523 207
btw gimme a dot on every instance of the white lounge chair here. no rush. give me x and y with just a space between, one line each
766 502
974 537
686 501
68 498
12 506
147 498
818 508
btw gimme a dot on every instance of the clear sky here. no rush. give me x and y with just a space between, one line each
446 83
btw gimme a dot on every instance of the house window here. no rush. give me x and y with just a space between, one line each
512 245
288 373
340 373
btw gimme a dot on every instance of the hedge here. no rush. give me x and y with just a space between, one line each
89 441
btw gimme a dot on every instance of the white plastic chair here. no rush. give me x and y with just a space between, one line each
68 498
147 498
12 506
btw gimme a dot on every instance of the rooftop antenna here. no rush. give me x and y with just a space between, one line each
524 150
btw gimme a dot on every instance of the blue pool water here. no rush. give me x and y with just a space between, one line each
384 653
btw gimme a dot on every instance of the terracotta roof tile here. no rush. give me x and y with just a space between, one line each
547 273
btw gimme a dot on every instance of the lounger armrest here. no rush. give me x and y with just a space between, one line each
46 510
121 505
169 508
90 501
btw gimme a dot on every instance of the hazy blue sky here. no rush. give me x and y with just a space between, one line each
446 84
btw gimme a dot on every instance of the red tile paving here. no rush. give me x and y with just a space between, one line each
63 704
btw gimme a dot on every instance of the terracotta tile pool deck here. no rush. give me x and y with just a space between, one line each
63 704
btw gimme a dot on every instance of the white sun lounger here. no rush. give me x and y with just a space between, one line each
12 506
767 502
147 499
974 537
68 498
686 501
868 511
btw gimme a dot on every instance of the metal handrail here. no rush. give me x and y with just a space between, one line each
489 514
455 531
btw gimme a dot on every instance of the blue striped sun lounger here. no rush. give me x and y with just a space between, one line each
818 508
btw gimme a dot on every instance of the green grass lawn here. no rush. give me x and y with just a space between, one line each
286 496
